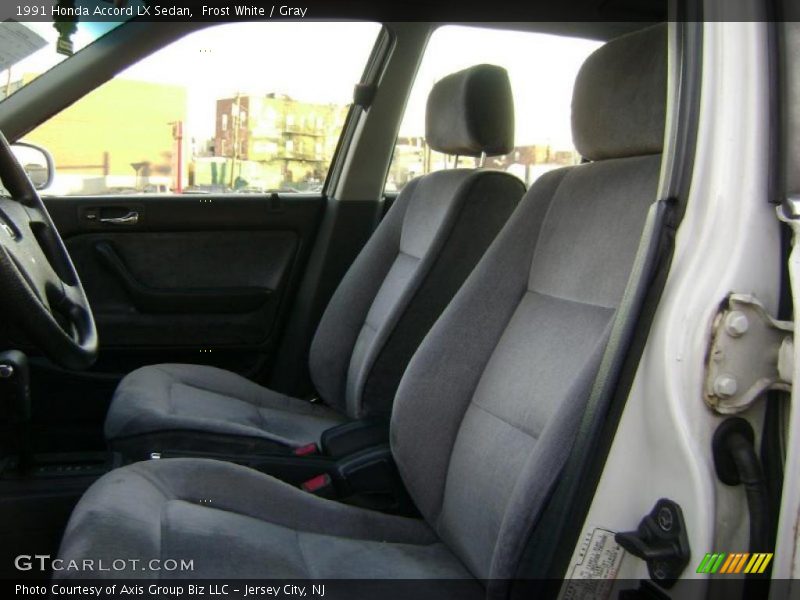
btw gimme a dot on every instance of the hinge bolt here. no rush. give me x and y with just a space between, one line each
665 519
6 371
736 323
725 386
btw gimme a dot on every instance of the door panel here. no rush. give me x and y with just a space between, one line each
204 279
184 289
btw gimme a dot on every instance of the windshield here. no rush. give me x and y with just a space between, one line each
29 49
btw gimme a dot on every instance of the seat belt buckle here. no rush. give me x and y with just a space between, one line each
321 485
306 450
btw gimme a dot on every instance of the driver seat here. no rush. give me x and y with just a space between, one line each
416 260
487 411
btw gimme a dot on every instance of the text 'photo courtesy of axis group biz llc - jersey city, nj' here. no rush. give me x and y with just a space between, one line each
172 590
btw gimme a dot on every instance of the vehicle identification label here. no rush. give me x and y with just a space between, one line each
594 572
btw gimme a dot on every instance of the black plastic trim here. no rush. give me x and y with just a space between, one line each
178 300
384 42
354 436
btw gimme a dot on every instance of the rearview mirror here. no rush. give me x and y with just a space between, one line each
37 162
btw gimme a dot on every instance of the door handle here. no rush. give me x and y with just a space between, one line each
132 218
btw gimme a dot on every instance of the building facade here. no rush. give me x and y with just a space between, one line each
280 142
130 144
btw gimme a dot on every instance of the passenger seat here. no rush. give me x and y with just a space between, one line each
418 257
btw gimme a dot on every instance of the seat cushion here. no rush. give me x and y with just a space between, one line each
208 401
234 522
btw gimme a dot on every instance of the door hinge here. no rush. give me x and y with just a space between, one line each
750 353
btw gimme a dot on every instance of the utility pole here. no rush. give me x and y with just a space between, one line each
235 122
177 135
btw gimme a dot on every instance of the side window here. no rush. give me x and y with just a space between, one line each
542 69
240 107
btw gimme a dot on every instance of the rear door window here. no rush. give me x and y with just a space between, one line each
542 70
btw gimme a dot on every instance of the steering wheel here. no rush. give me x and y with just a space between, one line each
40 292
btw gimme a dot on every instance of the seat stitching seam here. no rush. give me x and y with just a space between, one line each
438 515
417 260
422 268
261 419
302 553
504 420
161 536
408 255
170 403
256 404
414 257
533 250
165 491
572 300
216 392
550 204
369 325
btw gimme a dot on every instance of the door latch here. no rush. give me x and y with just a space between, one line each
660 541
750 353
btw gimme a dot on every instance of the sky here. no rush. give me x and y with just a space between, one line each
314 62
542 70
321 62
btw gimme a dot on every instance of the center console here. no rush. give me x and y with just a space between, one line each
352 464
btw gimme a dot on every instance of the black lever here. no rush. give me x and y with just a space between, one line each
660 541
15 385
15 396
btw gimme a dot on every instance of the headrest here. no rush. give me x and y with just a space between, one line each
471 112
620 95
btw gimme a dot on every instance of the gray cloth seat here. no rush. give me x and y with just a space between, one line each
418 257
186 398
175 506
487 410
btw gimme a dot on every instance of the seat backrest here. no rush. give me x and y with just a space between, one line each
421 253
487 411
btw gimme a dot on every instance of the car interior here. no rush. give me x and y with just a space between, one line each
342 384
